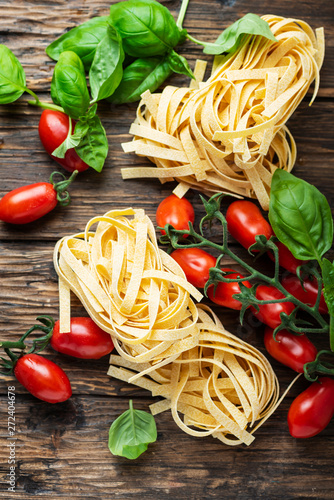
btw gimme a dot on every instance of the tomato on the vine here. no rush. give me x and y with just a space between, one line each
53 129
289 349
195 263
269 314
306 293
223 295
245 221
42 378
312 410
86 339
286 259
175 211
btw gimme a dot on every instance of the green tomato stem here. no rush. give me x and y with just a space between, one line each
331 333
12 345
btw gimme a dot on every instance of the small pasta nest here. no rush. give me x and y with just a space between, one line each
129 287
228 134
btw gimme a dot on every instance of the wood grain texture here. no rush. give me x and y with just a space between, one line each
62 449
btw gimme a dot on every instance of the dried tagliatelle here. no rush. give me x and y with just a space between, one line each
229 134
129 287
224 387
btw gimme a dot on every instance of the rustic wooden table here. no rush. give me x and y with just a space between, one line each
61 450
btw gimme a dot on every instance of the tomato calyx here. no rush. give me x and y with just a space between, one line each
38 344
60 187
322 365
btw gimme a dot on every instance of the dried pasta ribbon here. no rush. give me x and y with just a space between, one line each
129 287
228 134
222 386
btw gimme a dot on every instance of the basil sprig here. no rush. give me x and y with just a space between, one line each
131 433
300 216
301 219
231 38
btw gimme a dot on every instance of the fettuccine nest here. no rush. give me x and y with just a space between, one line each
229 134
166 342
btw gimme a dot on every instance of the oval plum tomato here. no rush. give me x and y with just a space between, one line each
308 294
286 259
312 410
195 263
269 314
223 295
42 378
29 203
289 349
86 340
175 211
53 129
245 221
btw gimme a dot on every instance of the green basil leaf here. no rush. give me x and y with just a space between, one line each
131 433
70 86
106 70
179 64
82 40
12 76
328 280
229 40
300 216
93 147
72 140
147 28
143 74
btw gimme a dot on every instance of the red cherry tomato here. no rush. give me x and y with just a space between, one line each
86 340
53 129
286 259
175 211
223 295
42 378
29 203
308 295
312 410
269 314
245 221
195 263
289 349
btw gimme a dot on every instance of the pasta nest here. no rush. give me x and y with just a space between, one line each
166 342
228 134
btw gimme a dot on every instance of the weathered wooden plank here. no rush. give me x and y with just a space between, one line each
61 450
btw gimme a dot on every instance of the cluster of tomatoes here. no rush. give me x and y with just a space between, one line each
313 409
43 378
28 203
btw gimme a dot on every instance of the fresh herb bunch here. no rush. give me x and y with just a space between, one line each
125 54
301 219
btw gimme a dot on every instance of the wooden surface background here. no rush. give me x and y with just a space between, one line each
61 450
